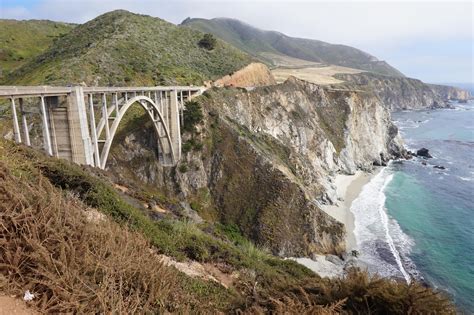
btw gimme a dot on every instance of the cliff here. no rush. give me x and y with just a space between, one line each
450 92
262 160
398 93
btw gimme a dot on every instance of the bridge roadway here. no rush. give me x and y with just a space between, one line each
71 130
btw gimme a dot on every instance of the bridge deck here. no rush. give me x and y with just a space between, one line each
25 91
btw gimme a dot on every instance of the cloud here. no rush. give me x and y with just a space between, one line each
333 21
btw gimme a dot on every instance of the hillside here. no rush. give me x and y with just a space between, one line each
266 44
122 48
22 41
83 241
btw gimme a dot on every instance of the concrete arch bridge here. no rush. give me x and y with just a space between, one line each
79 123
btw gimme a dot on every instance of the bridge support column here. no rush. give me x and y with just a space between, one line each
81 144
46 136
16 128
174 125
26 132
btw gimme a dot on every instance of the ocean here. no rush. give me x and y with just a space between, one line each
417 221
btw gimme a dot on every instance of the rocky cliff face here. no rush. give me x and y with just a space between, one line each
396 93
263 160
450 92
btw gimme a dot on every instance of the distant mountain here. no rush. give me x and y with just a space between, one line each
122 48
268 45
21 41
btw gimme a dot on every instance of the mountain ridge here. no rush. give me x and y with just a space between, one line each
256 41
123 48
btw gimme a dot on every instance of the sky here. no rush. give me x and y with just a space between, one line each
429 40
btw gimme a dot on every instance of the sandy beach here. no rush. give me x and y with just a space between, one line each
348 188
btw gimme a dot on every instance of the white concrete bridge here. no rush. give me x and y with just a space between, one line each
79 123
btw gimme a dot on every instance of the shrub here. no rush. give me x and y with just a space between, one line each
208 41
192 116
183 168
73 262
191 144
187 146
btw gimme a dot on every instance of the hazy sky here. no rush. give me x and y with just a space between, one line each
429 40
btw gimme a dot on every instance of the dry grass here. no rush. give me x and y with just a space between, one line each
357 293
365 294
318 75
47 246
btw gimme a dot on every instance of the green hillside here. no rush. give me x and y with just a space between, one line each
21 41
122 48
259 43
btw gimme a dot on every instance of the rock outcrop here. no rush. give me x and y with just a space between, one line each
398 93
255 74
424 152
263 160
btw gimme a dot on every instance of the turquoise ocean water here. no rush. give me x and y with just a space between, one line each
416 221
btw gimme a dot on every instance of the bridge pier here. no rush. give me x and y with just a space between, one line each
174 124
26 132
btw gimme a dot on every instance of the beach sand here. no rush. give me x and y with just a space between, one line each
348 188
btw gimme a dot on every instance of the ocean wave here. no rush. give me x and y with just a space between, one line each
410 124
463 107
382 244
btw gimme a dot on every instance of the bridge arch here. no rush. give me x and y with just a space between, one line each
164 140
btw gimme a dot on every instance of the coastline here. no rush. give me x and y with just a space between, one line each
348 188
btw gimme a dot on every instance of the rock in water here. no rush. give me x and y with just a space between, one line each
424 152
440 167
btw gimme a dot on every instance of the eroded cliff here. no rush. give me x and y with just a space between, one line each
451 93
263 160
398 93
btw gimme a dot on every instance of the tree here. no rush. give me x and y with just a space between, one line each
192 115
208 41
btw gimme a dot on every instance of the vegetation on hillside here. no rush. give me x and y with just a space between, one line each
258 42
208 41
75 261
122 48
22 41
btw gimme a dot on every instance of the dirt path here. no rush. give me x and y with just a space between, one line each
14 306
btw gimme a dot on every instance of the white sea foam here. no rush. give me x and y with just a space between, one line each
379 236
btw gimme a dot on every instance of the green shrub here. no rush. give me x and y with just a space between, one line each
208 41
183 168
191 144
192 116
187 146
